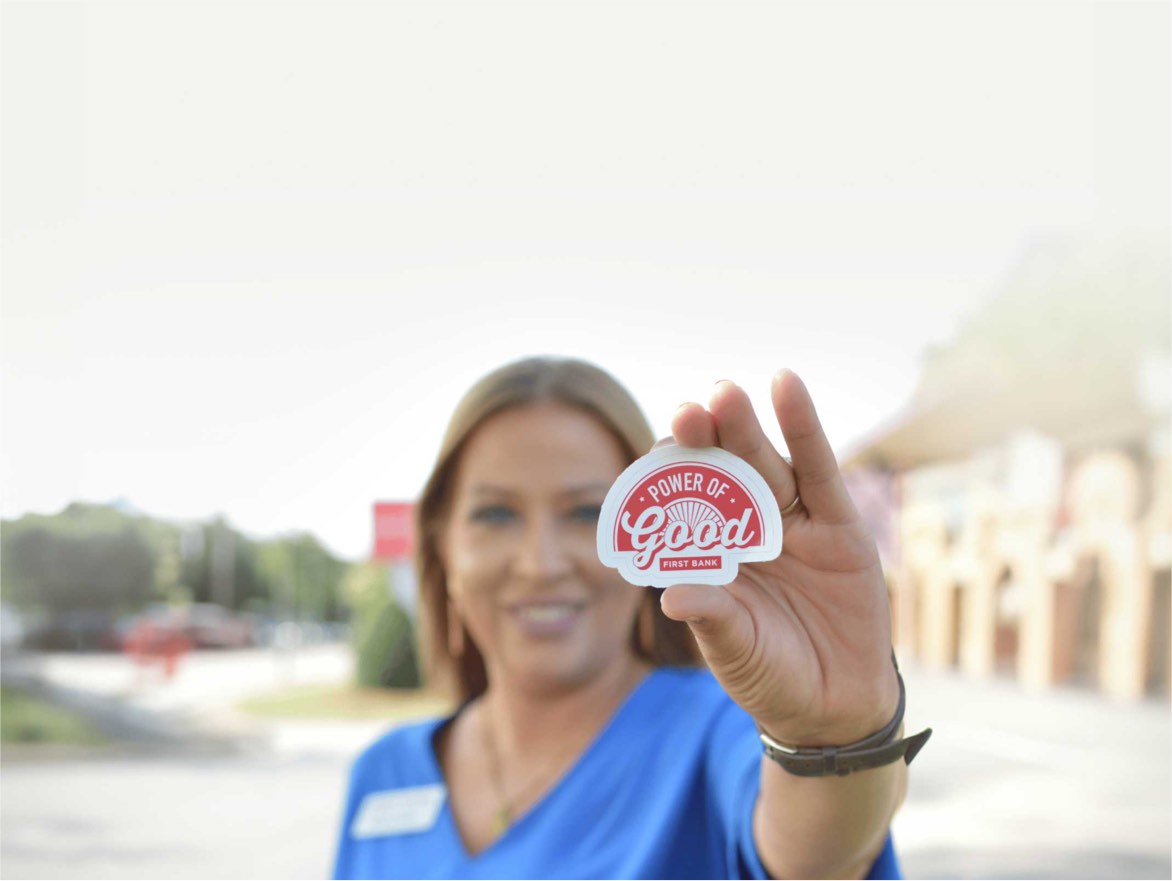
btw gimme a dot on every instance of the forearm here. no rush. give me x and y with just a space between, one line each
825 827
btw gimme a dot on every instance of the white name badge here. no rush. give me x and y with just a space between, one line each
398 811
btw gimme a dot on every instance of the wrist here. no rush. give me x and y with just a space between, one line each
882 747
840 732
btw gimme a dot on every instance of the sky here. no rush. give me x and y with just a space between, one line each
254 252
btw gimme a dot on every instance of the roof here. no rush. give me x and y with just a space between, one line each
1068 346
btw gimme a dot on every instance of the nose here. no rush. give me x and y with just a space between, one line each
542 554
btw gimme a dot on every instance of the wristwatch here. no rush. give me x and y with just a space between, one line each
880 748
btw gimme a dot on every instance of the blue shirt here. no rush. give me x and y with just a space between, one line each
666 790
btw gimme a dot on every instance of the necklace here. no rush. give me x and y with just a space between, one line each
503 816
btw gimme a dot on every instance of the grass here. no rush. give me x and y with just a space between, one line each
28 719
346 702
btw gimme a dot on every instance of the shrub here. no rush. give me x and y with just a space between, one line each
386 648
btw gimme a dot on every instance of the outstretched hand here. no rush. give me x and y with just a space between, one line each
803 642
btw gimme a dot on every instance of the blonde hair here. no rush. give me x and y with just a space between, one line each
451 658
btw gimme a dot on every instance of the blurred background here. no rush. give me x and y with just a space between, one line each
254 253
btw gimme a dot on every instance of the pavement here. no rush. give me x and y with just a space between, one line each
1013 784
194 712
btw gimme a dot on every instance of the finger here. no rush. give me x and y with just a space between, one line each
692 426
819 481
722 626
741 434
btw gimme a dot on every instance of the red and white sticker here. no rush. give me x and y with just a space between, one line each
682 515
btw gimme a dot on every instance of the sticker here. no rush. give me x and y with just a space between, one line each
686 515
398 811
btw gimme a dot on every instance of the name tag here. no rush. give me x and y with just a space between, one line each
398 811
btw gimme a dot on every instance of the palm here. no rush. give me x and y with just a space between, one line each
802 642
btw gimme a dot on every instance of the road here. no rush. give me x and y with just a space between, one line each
1013 784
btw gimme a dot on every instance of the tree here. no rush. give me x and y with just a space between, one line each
84 558
99 557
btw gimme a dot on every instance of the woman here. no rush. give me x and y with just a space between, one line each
606 730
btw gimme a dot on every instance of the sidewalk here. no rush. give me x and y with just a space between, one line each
194 713
1013 784
1057 784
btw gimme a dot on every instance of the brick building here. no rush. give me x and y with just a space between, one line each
1022 500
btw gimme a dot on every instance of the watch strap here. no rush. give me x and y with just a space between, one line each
876 750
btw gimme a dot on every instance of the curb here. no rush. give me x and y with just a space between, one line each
135 730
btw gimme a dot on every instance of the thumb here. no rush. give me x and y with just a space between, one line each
722 626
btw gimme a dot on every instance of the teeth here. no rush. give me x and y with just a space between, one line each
546 613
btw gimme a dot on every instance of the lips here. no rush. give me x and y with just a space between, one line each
546 617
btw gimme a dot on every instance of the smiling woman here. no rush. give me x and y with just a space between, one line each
604 730
518 550
566 429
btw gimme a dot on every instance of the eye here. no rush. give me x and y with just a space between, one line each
493 514
586 513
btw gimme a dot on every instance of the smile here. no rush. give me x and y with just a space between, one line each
546 619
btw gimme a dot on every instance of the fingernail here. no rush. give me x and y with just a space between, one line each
718 389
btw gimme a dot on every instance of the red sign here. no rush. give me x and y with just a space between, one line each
394 530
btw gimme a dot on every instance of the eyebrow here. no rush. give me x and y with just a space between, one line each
491 489
586 489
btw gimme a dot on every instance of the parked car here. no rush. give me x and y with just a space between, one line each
77 630
157 618
291 634
208 625
157 636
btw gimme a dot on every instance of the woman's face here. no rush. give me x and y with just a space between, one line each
519 547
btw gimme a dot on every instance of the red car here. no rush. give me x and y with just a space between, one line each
156 636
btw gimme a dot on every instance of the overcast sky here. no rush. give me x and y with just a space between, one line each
255 252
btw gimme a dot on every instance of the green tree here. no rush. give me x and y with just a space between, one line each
382 634
97 556
87 557
304 577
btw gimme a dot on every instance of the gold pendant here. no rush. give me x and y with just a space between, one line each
503 819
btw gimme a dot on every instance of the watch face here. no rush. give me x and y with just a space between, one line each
683 515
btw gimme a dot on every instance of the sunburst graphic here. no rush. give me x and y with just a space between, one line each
692 511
